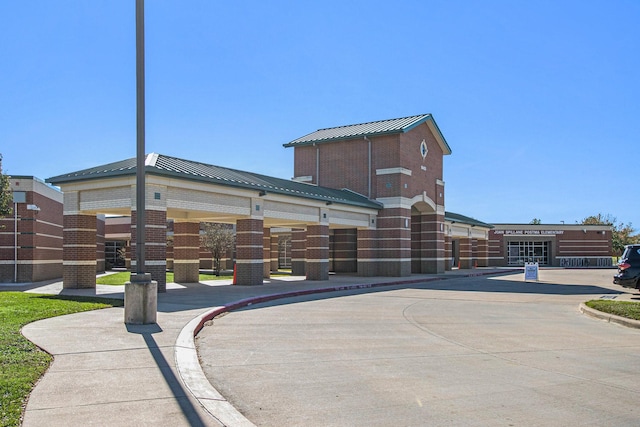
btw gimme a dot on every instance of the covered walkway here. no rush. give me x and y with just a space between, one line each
188 193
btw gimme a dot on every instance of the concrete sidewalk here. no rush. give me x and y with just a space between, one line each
107 373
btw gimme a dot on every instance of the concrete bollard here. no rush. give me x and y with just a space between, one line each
140 300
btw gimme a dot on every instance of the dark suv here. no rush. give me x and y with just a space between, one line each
629 268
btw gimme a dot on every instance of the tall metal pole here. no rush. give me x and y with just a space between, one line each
140 140
140 293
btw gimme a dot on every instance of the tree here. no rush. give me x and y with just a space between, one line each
536 221
218 239
622 234
6 198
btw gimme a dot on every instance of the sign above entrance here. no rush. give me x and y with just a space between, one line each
528 232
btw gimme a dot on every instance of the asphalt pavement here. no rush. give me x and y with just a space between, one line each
107 373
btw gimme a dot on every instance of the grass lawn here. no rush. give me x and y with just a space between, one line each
22 362
628 309
123 276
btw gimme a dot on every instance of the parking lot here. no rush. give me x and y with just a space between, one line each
476 351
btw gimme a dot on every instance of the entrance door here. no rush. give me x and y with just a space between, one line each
528 251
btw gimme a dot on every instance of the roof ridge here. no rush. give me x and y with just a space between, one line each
375 121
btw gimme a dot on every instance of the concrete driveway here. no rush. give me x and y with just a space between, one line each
478 351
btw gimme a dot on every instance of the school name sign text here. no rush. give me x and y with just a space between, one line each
529 232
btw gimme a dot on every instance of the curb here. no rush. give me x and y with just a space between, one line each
188 363
611 318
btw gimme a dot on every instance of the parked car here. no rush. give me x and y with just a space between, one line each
629 268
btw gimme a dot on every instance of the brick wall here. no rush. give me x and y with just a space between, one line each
186 252
317 252
79 256
155 246
249 252
39 233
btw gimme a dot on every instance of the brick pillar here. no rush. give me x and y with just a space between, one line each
432 253
367 249
416 244
466 256
79 251
483 253
186 252
155 246
266 253
317 254
448 253
249 248
345 250
474 252
100 255
274 254
298 252
394 242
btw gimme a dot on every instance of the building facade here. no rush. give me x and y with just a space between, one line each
554 245
367 199
399 164
31 238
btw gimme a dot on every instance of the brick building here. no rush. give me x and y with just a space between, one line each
186 193
557 245
31 238
399 164
367 199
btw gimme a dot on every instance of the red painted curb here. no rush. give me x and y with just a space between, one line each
266 298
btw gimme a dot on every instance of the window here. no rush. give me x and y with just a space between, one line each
114 253
520 252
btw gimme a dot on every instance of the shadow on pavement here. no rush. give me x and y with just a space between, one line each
172 381
243 297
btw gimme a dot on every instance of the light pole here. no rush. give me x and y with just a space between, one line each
140 293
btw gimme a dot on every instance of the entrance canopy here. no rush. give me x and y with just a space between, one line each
194 191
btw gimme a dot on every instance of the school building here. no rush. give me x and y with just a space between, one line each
366 199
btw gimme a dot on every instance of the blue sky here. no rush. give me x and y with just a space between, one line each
539 101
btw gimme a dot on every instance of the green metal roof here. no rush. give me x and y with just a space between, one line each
454 217
381 127
158 164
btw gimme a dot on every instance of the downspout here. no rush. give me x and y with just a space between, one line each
369 167
317 163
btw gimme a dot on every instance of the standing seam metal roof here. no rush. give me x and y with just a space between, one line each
158 164
454 217
381 127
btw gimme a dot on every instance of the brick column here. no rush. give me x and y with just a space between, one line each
466 256
186 252
155 246
274 254
416 243
249 249
317 254
432 251
345 250
448 253
394 242
79 251
79 245
298 252
367 249
100 256
266 253
483 253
